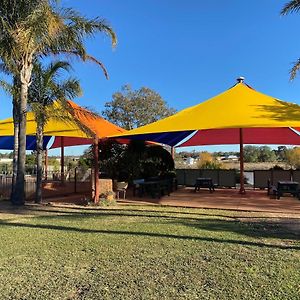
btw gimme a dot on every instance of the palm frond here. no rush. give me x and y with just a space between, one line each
54 69
291 7
85 57
7 87
295 69
71 88
87 27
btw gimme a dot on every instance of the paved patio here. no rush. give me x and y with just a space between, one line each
253 200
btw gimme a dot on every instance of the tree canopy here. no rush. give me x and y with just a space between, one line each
259 154
134 108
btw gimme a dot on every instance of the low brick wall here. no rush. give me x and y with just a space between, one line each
106 185
56 189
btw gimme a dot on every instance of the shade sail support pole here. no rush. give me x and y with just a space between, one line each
242 185
46 164
96 170
62 160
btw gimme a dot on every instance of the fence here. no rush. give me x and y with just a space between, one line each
261 177
76 181
228 178
222 178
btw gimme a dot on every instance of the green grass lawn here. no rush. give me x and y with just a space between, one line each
147 252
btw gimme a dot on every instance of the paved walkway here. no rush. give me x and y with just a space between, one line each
253 200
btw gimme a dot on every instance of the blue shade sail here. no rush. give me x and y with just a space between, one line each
7 142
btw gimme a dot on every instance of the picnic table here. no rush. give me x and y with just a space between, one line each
286 187
154 188
202 182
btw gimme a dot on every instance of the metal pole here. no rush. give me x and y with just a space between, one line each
62 160
75 181
46 164
242 187
96 170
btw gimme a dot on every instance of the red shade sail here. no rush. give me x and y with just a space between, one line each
227 136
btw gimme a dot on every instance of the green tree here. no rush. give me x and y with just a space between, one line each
251 153
32 29
207 161
293 157
30 163
281 153
266 154
134 108
292 6
132 161
46 88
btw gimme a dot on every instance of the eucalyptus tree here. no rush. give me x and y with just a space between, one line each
47 88
36 28
292 6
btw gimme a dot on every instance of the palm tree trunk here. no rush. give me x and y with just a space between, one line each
39 161
16 145
19 192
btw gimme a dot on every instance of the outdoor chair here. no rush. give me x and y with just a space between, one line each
121 187
278 175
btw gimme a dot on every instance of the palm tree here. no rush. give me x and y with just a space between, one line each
13 90
33 29
44 90
292 6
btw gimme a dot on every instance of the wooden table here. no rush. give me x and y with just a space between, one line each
155 188
202 182
283 187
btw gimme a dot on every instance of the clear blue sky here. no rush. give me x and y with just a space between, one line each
189 51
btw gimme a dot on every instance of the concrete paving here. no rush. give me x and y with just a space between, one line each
253 200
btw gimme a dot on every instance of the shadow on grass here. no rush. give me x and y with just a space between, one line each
254 228
208 226
234 215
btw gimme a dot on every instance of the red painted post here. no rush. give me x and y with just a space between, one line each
46 164
242 187
75 181
96 170
62 160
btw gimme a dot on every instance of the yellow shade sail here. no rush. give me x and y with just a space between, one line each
238 107
77 122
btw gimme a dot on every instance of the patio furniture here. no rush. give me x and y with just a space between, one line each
211 173
202 182
276 176
121 187
286 187
155 187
